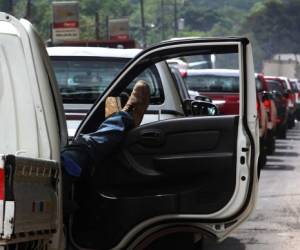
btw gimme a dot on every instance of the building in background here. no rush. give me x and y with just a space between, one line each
283 65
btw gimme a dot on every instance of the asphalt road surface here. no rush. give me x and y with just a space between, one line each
275 223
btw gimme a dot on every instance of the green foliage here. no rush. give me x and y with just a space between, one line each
201 18
272 25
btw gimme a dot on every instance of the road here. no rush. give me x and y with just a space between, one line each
275 223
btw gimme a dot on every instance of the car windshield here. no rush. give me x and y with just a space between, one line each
213 83
82 80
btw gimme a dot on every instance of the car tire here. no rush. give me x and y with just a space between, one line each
281 133
271 140
291 121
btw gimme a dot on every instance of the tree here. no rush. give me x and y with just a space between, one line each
275 27
201 19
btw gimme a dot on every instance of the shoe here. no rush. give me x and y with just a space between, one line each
138 102
112 105
115 104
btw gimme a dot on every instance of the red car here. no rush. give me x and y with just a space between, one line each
281 98
221 85
268 99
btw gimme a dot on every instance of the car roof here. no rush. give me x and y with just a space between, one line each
93 52
218 72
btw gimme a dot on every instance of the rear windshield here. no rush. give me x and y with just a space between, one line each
82 80
213 83
275 85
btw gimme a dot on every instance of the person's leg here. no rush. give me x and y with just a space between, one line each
91 148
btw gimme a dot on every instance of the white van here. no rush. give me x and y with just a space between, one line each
195 175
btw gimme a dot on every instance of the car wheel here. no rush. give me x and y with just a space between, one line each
271 143
291 121
281 133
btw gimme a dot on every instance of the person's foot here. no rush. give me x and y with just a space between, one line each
138 102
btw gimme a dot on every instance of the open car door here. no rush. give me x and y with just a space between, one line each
195 174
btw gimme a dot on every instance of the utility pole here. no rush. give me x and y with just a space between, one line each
143 24
175 19
10 6
162 7
28 10
97 25
107 27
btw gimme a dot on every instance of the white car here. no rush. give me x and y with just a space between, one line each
194 175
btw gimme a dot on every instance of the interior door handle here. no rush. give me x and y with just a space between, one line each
151 138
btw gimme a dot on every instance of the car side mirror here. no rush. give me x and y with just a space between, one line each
203 98
200 108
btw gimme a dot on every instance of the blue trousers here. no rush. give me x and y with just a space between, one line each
89 150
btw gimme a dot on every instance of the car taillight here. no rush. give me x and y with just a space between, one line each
2 184
258 110
267 104
183 73
278 120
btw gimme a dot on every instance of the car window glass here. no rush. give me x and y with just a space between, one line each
213 83
215 76
274 85
151 76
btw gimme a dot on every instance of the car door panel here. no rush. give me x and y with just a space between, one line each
167 179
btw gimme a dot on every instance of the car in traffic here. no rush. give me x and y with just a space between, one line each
281 100
268 100
221 85
84 73
296 90
291 98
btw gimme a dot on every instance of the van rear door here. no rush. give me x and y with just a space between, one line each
31 132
